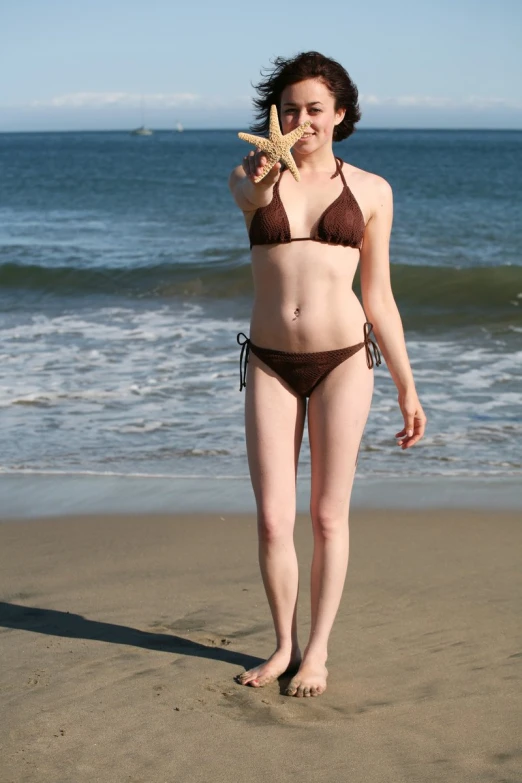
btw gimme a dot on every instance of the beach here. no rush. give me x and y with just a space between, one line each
121 636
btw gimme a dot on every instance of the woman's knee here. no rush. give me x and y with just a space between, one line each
274 524
329 521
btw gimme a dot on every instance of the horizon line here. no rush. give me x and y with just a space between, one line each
213 130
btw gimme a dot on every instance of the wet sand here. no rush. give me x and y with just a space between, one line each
120 637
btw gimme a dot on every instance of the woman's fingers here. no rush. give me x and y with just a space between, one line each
249 162
413 431
261 162
254 163
256 159
409 423
410 440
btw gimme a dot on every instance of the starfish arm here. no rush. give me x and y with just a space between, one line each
295 135
257 141
290 165
274 131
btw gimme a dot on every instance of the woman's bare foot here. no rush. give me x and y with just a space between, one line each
310 679
280 662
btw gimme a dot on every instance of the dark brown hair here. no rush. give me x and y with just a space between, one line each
307 65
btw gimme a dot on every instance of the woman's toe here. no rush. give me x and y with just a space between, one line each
246 678
292 688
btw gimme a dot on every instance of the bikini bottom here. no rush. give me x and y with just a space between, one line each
303 372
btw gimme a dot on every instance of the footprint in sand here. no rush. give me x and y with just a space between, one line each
40 677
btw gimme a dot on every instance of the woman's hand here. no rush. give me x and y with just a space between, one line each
414 420
253 164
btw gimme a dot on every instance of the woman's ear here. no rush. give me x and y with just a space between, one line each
339 116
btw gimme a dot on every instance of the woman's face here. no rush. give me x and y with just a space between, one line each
310 100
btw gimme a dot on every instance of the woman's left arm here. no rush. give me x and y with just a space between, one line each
381 310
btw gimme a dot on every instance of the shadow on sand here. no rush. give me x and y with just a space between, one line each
74 626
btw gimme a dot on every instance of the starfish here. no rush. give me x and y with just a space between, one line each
277 146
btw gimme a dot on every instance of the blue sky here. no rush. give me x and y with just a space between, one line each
76 65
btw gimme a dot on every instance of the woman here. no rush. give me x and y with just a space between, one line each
310 339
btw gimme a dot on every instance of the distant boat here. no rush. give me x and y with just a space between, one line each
142 131
179 127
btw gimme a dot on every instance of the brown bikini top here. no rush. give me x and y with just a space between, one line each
342 222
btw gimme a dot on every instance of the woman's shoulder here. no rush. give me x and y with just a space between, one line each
367 179
372 191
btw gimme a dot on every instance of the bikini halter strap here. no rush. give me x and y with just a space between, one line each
339 170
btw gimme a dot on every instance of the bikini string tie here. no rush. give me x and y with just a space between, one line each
243 358
369 344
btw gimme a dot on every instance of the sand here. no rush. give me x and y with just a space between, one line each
120 637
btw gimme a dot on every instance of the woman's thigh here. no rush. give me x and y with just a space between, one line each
274 423
337 414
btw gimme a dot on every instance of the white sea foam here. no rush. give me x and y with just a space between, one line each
158 387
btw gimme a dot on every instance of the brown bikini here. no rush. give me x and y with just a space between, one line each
342 223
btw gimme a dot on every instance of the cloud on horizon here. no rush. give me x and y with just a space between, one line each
426 101
124 99
127 100
104 110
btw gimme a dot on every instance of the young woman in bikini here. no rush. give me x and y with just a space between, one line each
310 340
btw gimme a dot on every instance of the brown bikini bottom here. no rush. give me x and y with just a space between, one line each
303 372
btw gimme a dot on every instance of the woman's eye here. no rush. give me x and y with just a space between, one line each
294 111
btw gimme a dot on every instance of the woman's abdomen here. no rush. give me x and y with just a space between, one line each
319 321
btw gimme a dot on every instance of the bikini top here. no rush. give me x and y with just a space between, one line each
342 222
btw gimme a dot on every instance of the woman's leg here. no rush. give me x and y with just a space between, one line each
337 413
274 422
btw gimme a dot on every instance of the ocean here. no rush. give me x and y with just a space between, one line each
124 279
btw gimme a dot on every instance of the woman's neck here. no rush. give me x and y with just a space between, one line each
321 160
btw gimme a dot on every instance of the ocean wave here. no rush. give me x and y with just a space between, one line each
483 293
206 279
